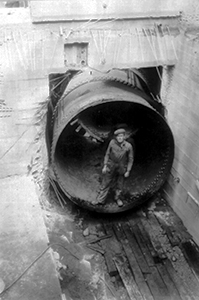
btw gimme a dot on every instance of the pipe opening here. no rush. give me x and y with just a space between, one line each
81 147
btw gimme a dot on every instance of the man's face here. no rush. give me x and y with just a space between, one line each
120 138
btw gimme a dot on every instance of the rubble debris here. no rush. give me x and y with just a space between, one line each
86 232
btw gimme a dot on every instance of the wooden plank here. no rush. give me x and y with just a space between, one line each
173 292
142 245
137 273
167 290
147 240
167 246
106 289
155 242
114 244
177 281
127 278
136 249
112 270
157 286
173 275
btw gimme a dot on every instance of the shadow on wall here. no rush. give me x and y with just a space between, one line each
13 3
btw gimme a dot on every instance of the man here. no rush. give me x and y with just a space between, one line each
118 162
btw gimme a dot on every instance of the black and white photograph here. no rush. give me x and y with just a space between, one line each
99 150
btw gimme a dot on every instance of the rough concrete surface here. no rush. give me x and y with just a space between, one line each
23 238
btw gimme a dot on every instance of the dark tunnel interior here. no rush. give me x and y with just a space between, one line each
82 145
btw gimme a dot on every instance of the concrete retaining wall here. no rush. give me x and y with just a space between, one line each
183 117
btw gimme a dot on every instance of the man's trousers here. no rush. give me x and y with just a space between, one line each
114 178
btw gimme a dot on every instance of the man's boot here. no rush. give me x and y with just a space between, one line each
117 197
101 197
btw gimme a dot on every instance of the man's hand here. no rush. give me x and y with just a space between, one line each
126 174
104 170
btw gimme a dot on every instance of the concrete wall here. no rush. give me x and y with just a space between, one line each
181 98
26 54
89 9
22 89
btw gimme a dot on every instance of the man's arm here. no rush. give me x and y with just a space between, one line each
130 160
106 157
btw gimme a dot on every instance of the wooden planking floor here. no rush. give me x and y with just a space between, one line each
150 254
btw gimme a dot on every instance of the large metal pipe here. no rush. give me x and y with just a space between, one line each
81 126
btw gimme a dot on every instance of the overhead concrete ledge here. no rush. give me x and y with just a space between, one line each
23 238
52 11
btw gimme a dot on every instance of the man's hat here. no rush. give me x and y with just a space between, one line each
119 131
